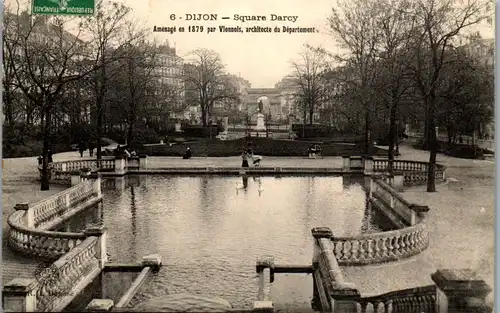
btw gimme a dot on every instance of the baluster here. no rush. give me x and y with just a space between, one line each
364 305
384 247
354 250
413 241
346 248
388 306
370 252
402 244
337 249
431 303
390 246
395 246
419 239
409 246
376 248
361 249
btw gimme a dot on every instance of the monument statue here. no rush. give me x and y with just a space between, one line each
260 117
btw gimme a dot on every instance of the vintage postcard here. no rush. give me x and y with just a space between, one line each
241 156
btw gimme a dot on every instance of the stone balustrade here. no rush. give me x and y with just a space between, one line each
414 172
381 247
75 165
410 214
410 239
30 225
419 299
331 293
58 284
65 273
43 213
455 290
41 243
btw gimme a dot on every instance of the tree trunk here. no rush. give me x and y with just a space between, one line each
304 119
9 112
367 132
311 114
431 174
204 116
45 183
392 134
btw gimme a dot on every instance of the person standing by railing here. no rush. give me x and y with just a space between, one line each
81 148
91 148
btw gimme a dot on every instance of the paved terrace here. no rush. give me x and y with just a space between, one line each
461 221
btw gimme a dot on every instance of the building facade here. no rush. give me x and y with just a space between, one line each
170 71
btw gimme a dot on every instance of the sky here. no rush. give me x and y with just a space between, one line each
261 58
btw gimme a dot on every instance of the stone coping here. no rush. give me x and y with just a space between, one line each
232 171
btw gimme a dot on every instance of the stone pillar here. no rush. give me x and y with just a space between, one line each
398 182
100 305
318 232
97 185
29 218
143 161
343 295
64 166
346 164
460 291
264 268
101 252
368 165
356 163
19 295
120 165
261 125
153 261
76 178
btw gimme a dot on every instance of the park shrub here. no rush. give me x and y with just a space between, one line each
199 131
457 150
310 131
465 151
261 146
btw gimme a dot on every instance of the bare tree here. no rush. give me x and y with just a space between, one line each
440 22
205 76
396 30
308 78
45 57
356 27
104 31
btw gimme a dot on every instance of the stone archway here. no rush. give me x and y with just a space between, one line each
271 99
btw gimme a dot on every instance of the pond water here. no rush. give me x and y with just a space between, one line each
210 230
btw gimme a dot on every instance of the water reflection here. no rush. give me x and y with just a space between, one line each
210 236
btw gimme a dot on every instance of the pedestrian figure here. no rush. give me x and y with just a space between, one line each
244 156
49 153
81 148
91 148
187 155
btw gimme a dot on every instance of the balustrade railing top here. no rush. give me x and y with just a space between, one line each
66 273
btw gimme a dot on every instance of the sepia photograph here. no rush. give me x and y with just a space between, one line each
285 156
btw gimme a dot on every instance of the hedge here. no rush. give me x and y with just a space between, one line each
457 150
261 146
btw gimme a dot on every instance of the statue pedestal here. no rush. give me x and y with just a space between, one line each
261 125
